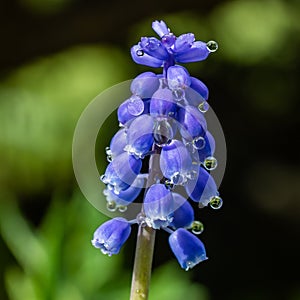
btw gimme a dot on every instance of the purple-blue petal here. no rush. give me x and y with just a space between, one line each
118 143
209 147
202 188
175 162
111 236
184 42
160 27
197 52
153 47
158 206
122 171
178 77
183 214
140 135
142 58
145 84
187 248
163 104
193 123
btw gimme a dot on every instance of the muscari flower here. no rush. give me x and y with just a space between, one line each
165 111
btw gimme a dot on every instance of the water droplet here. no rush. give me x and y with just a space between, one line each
197 227
199 143
135 106
210 163
203 106
111 206
140 293
169 185
108 151
177 178
212 46
140 52
215 202
103 178
141 219
109 158
122 208
163 133
178 94
192 175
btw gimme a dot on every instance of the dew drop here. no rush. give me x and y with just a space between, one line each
122 208
199 143
169 185
197 227
141 219
210 163
140 52
215 202
109 158
163 133
111 206
108 151
212 46
177 178
178 94
203 106
135 106
103 178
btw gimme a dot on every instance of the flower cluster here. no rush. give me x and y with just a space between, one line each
164 117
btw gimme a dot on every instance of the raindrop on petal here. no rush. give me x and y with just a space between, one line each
212 46
215 202
111 206
178 94
199 143
203 106
122 208
141 219
135 106
139 52
210 163
163 133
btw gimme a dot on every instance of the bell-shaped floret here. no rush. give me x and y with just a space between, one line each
131 108
145 84
118 143
158 206
187 248
209 147
125 197
122 172
178 77
183 214
162 103
197 93
111 236
202 188
196 52
193 123
140 136
175 162
140 57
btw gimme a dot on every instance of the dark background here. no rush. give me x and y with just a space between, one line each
62 53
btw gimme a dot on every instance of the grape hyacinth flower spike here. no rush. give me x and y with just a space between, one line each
162 148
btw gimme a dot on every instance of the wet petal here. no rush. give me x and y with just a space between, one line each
145 84
162 103
183 214
197 52
129 109
153 47
118 143
202 188
209 147
140 136
142 58
175 162
111 236
187 248
178 77
158 206
184 42
160 27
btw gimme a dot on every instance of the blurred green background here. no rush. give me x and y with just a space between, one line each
56 56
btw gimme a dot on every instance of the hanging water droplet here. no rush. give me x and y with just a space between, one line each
197 227
139 52
103 178
141 219
203 106
215 202
199 143
135 105
178 94
210 163
177 178
192 175
169 185
109 158
108 151
163 133
111 206
212 46
122 208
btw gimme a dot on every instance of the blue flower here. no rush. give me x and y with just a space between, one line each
162 104
145 84
111 236
158 206
187 248
169 50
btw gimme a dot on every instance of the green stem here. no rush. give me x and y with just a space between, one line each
145 242
143 263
